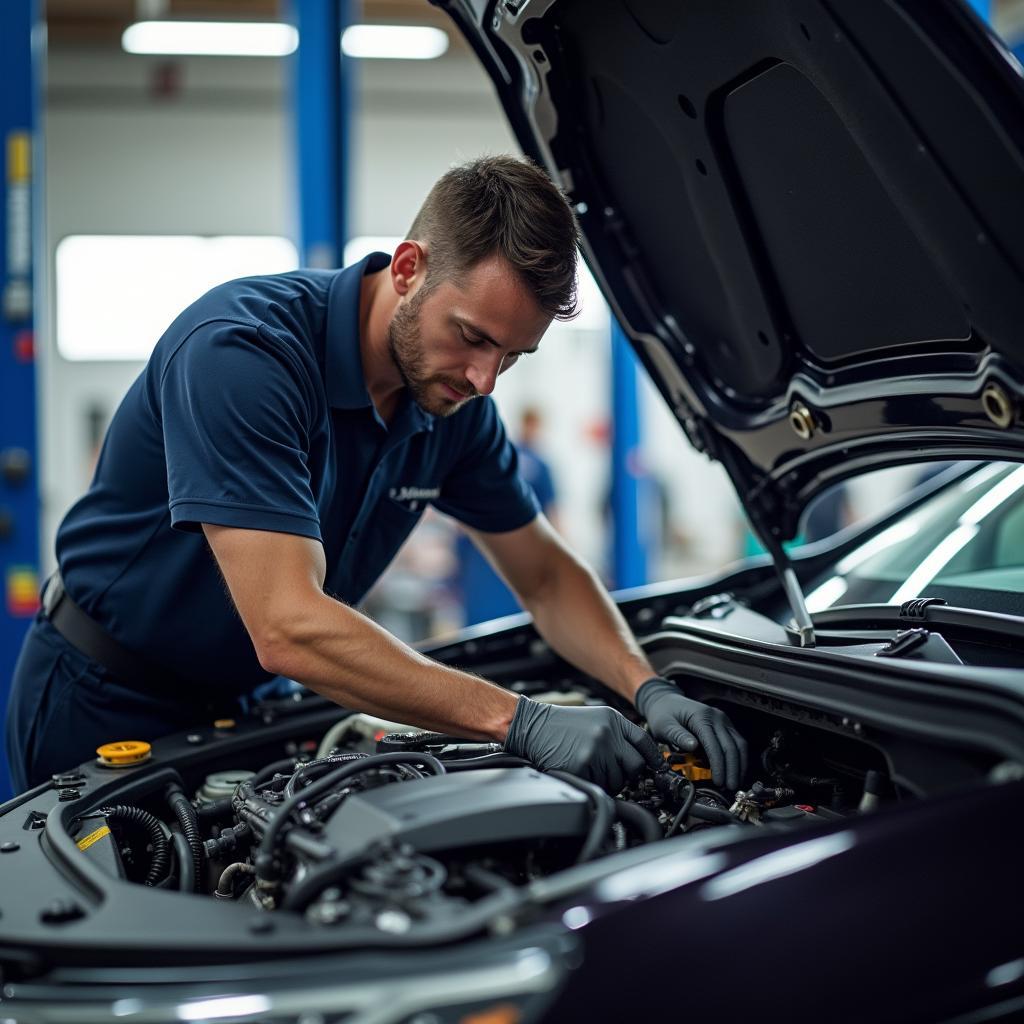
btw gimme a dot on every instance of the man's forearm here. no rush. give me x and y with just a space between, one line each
343 655
577 617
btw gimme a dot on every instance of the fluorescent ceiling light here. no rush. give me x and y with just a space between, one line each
397 42
211 38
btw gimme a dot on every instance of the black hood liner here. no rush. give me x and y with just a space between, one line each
794 201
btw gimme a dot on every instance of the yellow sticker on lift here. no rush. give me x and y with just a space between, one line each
93 837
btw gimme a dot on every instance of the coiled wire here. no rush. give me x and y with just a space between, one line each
125 814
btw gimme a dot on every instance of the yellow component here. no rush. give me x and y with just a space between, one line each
688 765
19 158
93 837
224 723
502 1013
127 752
22 590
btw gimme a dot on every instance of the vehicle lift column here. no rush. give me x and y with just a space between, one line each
21 57
322 86
629 485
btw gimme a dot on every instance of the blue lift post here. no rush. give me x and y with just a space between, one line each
19 480
629 554
322 88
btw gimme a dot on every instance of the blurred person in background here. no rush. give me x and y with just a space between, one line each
481 591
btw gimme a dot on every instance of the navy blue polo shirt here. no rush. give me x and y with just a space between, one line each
253 412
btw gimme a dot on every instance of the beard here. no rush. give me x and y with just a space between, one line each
405 346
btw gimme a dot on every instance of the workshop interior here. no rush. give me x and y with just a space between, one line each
785 430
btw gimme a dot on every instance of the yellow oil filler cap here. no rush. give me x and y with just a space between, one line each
688 765
123 754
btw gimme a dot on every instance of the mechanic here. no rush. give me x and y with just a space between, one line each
281 443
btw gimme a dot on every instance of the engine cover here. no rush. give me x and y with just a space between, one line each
470 808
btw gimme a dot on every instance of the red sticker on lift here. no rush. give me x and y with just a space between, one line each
24 347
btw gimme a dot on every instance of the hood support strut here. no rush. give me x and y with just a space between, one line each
762 501
791 585
795 596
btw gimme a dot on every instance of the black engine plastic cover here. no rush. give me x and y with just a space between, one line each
472 808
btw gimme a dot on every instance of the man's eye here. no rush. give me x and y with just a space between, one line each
475 342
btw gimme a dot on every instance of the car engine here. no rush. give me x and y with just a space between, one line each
389 828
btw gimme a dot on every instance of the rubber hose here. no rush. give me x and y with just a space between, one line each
604 812
226 885
215 810
186 868
718 815
189 822
638 819
268 846
268 771
679 821
305 769
464 764
161 859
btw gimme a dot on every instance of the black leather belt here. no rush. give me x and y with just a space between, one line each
89 637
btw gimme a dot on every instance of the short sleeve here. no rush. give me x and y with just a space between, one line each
484 489
235 408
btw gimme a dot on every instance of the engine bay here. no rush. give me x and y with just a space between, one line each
393 829
303 827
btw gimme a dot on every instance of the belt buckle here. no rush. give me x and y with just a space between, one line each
53 592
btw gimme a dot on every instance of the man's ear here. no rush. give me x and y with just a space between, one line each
408 266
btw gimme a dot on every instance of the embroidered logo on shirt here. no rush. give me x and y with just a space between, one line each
410 498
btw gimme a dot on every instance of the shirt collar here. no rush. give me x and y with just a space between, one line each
346 386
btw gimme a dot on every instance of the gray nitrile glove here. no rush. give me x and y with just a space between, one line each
684 723
597 744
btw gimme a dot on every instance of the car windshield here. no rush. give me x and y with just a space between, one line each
964 545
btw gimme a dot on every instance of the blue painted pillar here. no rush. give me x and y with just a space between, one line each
322 88
20 227
629 556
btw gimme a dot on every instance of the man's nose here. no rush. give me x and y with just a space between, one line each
483 371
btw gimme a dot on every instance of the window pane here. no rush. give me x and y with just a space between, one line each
116 294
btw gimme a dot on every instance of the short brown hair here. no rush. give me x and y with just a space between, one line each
504 205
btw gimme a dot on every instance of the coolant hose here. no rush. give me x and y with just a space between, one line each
719 815
186 865
226 885
161 859
679 821
604 812
268 771
215 810
189 823
466 764
308 768
638 819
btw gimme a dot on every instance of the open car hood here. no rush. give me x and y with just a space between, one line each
807 215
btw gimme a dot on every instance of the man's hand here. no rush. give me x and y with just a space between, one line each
684 723
597 744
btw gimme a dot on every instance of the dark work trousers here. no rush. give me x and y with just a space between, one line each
63 705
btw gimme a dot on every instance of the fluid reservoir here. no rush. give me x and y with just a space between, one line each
221 785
